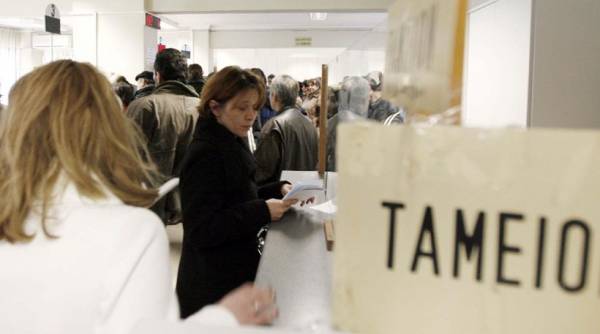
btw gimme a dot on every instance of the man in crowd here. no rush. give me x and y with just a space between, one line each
196 77
288 140
145 83
167 118
270 79
380 109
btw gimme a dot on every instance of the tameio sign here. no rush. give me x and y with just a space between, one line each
451 230
473 244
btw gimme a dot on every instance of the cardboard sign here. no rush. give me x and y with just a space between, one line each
424 60
465 231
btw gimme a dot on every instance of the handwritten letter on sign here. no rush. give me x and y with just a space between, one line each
464 231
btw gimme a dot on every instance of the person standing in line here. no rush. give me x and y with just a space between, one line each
145 84
379 108
167 118
79 251
124 91
196 77
289 141
223 209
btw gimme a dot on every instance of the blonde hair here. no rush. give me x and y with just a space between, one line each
64 119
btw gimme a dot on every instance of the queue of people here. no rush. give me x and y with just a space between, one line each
81 223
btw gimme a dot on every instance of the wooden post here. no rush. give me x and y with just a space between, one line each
323 121
328 227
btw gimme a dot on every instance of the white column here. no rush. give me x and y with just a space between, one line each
201 53
84 37
123 44
150 47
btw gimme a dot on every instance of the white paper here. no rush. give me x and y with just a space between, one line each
328 207
303 190
167 187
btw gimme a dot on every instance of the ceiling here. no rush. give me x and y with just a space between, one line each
274 21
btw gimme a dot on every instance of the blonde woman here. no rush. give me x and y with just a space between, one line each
79 251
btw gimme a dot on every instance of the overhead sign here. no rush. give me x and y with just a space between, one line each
185 53
465 231
152 21
52 19
303 41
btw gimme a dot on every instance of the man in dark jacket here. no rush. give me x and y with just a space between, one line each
145 83
379 108
196 77
167 118
289 140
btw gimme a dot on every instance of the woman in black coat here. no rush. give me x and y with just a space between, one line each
223 209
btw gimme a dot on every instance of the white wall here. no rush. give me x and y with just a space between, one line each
84 37
109 34
177 39
121 44
201 53
533 64
346 52
287 39
566 67
304 63
356 63
29 57
10 46
29 8
150 48
496 85
300 63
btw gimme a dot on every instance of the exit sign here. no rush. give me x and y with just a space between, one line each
303 41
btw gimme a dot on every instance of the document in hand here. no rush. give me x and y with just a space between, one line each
167 187
303 190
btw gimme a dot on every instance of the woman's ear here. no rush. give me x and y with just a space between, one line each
215 108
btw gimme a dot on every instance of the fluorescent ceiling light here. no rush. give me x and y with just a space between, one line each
318 16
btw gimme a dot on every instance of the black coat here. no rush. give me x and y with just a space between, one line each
198 85
143 92
222 214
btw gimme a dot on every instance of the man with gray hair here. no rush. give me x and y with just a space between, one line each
289 141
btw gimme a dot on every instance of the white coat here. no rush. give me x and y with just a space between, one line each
107 269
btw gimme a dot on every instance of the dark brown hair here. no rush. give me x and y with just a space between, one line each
195 72
225 85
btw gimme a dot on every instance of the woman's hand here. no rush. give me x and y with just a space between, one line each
308 201
251 305
277 207
285 188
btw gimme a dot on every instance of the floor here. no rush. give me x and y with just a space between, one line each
175 233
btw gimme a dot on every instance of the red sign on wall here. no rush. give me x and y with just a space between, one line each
152 21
